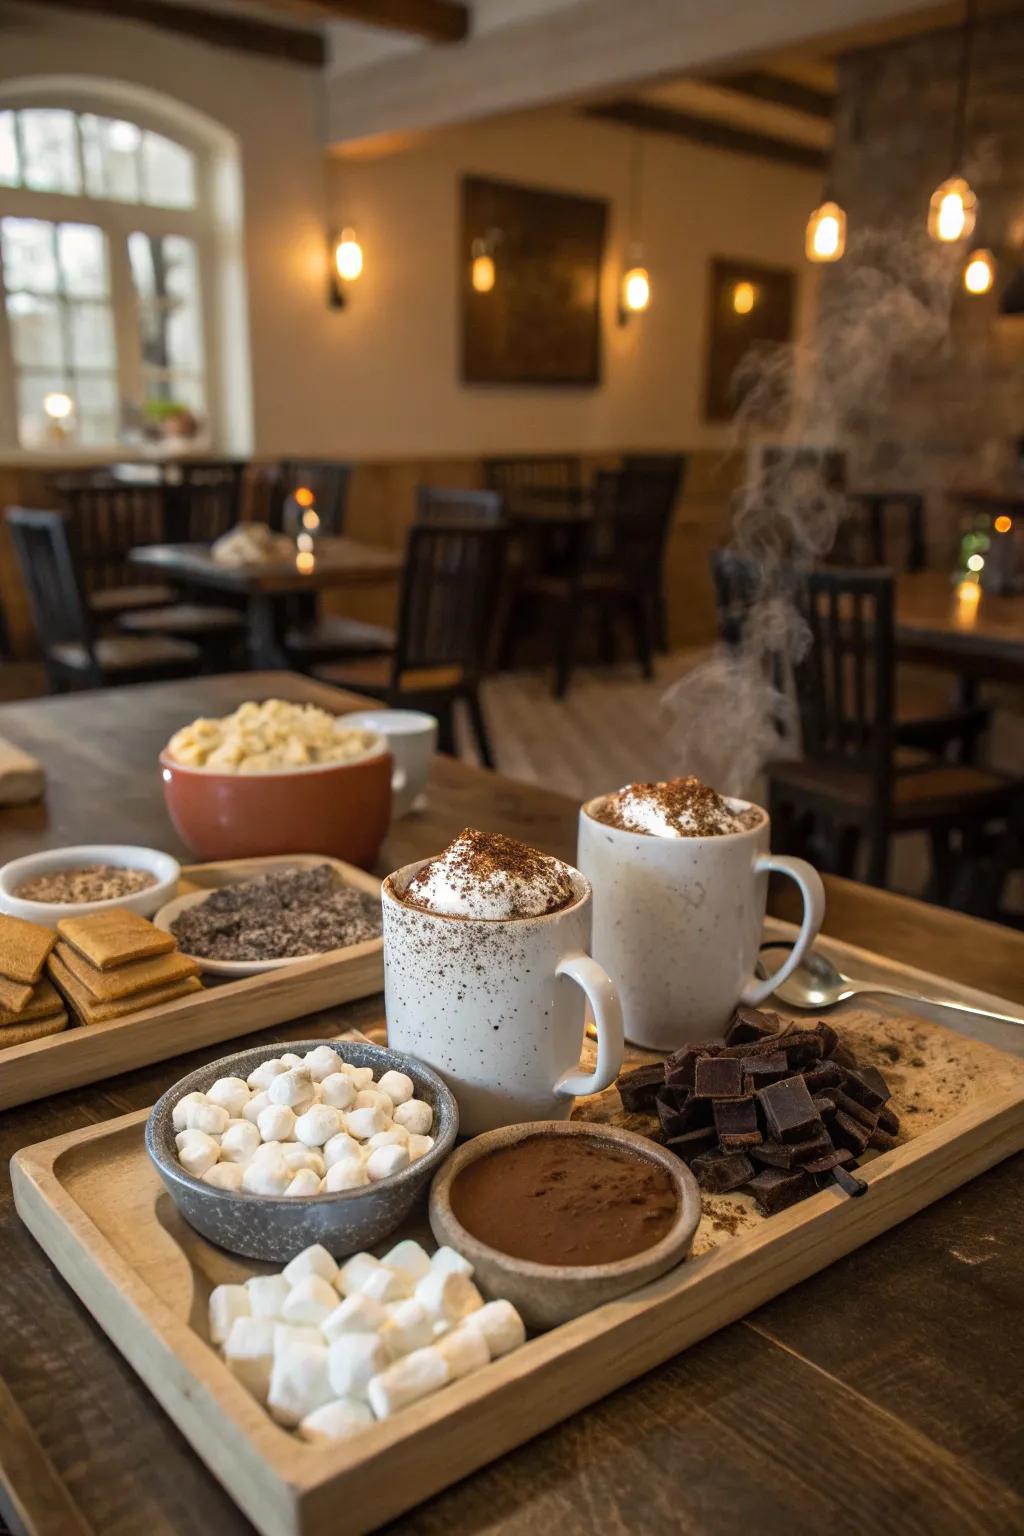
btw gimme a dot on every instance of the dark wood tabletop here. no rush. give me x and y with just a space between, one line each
971 631
885 1394
339 562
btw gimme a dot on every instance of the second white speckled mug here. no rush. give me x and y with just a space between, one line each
678 920
497 1005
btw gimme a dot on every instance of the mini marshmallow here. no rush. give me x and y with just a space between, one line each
338 1090
224 1176
386 1161
448 1295
352 1274
366 1122
361 1076
501 1326
267 1173
239 1142
410 1256
335 1421
310 1300
344 1175
322 1063
385 1284
287 1334
394 1136
351 1361
267 1295
398 1087
418 1146
197 1153
291 1060
416 1115
265 1073
342 1148
314 1260
277 1123
297 1156
231 1093
372 1098
407 1328
304 1183
451 1261
256 1105
298 1382
226 1303
409 1379
318 1124
293 1088
179 1114
358 1313
249 1353
464 1349
201 1115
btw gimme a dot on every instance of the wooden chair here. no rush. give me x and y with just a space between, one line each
204 498
446 612
670 469
855 784
873 525
73 655
523 481
441 504
110 519
329 482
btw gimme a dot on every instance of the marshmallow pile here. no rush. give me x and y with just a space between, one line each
302 1125
330 1350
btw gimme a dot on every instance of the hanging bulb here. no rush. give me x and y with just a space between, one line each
481 272
744 297
980 272
348 256
952 210
826 233
636 291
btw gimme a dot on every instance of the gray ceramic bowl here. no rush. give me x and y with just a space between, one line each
277 1227
548 1294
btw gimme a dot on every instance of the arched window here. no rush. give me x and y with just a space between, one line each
110 243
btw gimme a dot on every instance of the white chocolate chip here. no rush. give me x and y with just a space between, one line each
277 1123
201 1115
304 1183
224 1176
179 1114
398 1087
321 1063
339 1091
197 1153
239 1142
256 1105
319 1124
386 1161
265 1073
267 1173
364 1123
231 1093
293 1088
291 1060
342 1148
372 1098
297 1156
394 1136
361 1076
416 1115
343 1176
419 1146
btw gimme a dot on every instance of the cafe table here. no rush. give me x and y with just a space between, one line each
885 1394
960 626
266 587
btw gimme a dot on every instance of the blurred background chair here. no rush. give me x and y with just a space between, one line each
327 480
442 504
670 470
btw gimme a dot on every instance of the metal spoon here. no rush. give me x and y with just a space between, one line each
817 984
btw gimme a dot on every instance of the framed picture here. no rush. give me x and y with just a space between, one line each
750 306
530 264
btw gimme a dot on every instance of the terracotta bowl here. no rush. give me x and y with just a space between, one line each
548 1294
341 809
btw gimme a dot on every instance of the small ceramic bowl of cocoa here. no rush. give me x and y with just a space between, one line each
561 1216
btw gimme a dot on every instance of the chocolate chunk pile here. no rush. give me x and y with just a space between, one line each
768 1110
279 915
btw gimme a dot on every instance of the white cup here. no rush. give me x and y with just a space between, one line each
497 1006
678 922
411 736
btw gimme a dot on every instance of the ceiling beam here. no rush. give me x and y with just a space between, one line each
440 21
220 29
762 85
710 132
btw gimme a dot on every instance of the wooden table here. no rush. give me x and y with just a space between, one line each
886 1393
339 562
978 637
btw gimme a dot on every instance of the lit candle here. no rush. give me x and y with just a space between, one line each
968 596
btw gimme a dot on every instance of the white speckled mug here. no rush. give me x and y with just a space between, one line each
678 921
497 1005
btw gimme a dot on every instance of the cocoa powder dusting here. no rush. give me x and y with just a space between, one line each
475 859
691 807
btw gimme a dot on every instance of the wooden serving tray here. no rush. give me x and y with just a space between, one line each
84 1053
95 1204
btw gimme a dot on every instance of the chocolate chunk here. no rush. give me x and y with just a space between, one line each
881 1140
692 1143
751 1024
867 1086
889 1121
789 1112
735 1117
847 1132
762 1070
673 1095
638 1088
802 1047
719 1172
716 1077
867 1117
844 1056
828 1075
828 1038
774 1189
749 1049
679 1067
773 1154
804 1152
839 1157
690 1113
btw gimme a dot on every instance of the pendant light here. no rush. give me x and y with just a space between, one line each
635 284
980 272
826 233
953 207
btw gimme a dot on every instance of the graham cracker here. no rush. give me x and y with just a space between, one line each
108 939
36 1029
127 980
23 948
93 1012
14 995
44 1000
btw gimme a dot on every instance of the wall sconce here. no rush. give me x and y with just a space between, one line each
744 297
481 273
952 210
826 233
346 264
980 272
635 295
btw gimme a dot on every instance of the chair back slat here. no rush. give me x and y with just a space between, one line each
448 599
108 520
44 543
633 512
844 683
328 480
886 528
204 499
521 480
444 504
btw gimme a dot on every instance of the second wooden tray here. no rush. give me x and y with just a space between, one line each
86 1053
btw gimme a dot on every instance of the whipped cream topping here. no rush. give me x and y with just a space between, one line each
488 875
674 808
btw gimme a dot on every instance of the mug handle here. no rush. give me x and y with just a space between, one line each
813 892
600 993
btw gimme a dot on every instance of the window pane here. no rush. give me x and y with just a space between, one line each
140 254
83 260
50 149
91 331
35 325
168 173
35 428
92 155
8 151
97 408
167 282
28 255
